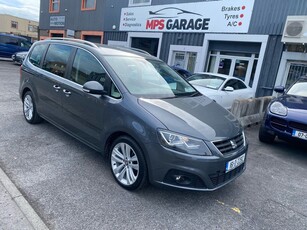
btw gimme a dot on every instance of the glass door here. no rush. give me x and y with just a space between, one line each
242 66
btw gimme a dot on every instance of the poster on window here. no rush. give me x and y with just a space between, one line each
224 16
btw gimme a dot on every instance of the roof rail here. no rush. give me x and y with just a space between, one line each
139 50
75 40
130 49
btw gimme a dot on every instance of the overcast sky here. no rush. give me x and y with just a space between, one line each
28 9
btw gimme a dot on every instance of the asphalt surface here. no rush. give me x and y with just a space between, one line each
70 186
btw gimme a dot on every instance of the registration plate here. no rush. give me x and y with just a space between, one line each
299 134
230 165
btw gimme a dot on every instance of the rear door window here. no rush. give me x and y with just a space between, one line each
57 58
37 54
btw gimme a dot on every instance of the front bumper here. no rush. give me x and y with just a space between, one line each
283 127
199 173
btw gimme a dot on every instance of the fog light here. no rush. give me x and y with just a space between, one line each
183 180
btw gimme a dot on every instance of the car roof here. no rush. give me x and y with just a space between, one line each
101 48
12 35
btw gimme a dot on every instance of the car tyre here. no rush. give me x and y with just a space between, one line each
29 109
264 136
128 164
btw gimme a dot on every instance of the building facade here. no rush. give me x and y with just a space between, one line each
242 38
19 26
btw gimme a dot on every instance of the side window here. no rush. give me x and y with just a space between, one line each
56 59
241 85
235 84
87 68
11 41
37 54
115 92
25 44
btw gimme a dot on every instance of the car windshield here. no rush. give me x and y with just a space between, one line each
298 89
206 80
149 78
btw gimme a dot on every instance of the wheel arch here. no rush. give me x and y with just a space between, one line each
113 136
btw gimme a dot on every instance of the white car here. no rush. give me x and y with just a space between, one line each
221 88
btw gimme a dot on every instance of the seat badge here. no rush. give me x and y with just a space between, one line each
233 144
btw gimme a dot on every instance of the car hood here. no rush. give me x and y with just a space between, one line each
293 102
194 116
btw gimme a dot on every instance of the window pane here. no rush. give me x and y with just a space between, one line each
57 58
224 66
212 64
179 59
191 61
240 69
251 81
89 3
14 25
87 68
37 54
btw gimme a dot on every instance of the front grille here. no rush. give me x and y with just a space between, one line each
279 123
298 126
230 145
221 177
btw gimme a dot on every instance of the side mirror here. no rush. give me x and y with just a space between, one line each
279 89
229 89
93 87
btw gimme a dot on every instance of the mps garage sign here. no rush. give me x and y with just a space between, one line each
224 16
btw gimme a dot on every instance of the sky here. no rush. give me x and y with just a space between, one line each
27 9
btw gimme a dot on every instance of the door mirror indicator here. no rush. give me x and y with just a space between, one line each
93 87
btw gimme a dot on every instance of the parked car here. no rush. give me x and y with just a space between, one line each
182 72
286 115
10 44
19 57
118 102
221 88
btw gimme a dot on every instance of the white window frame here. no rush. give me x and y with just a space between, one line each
263 39
283 66
131 3
220 56
180 48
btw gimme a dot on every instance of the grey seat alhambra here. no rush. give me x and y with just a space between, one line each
153 125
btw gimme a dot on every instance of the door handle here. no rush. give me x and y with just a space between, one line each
67 93
57 88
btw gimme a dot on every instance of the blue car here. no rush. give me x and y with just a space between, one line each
286 115
11 44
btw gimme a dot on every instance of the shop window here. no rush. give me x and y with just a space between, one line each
54 6
14 25
139 2
185 60
88 5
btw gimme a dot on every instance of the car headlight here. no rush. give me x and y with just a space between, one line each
278 108
183 143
